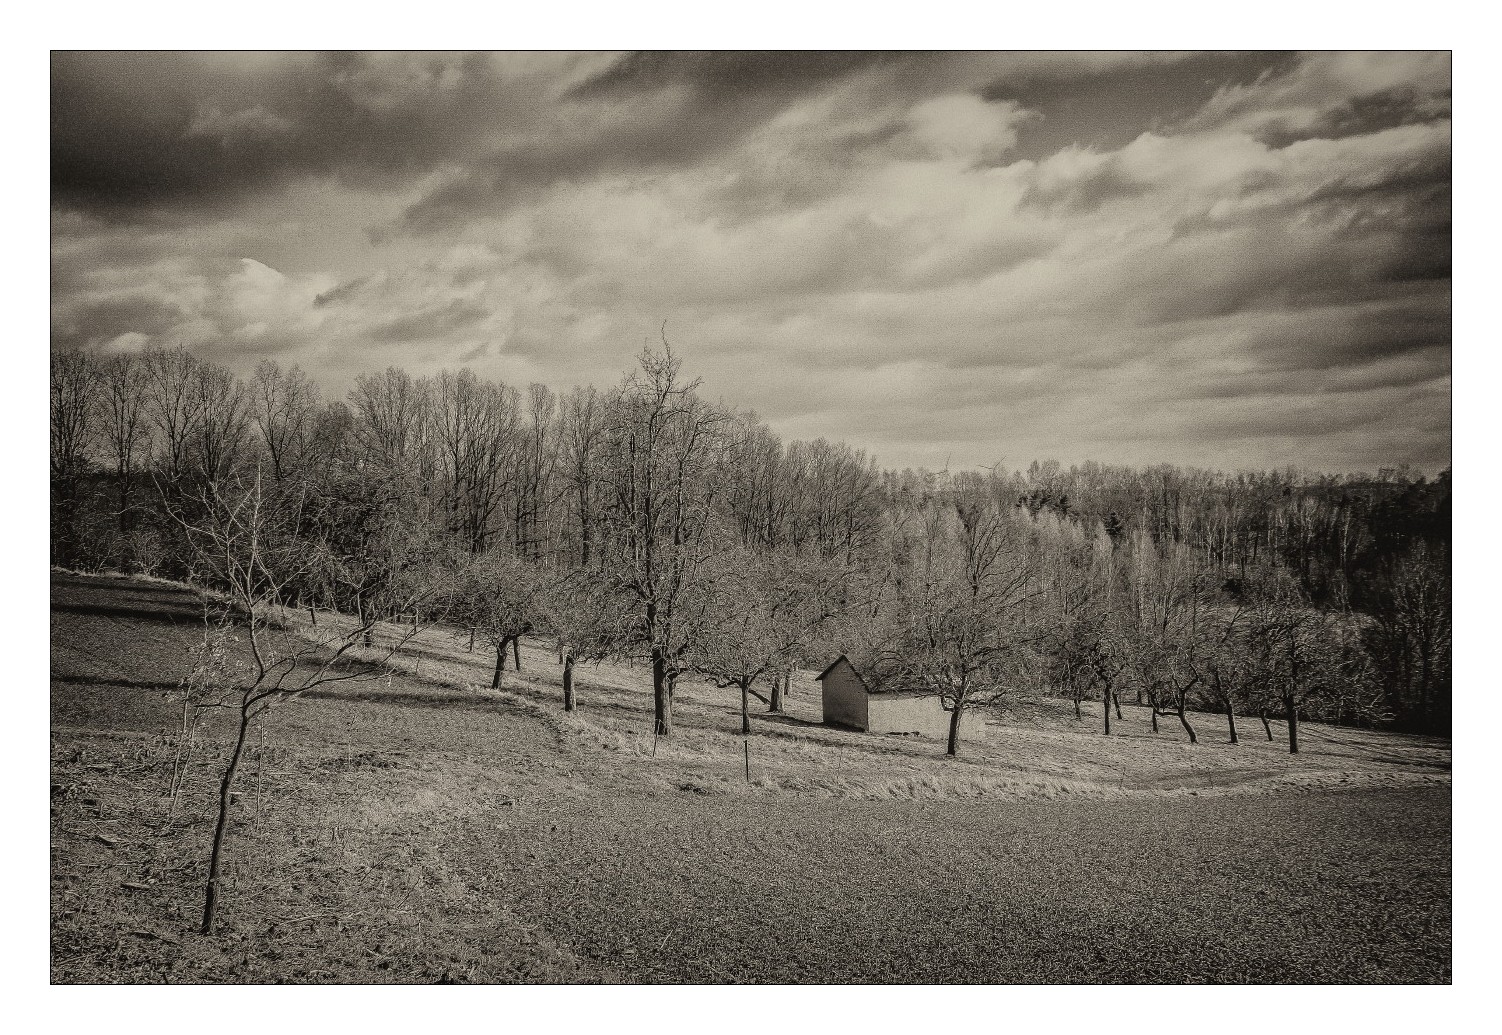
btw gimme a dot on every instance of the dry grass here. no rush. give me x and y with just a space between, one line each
422 827
1035 749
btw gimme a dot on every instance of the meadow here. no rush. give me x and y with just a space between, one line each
422 827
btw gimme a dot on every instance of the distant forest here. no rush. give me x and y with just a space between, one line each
644 519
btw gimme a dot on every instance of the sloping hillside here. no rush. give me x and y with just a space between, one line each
420 826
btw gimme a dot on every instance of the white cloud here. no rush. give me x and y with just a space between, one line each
964 127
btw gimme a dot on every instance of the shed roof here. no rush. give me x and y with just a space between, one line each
876 672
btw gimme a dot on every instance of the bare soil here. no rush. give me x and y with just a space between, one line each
422 827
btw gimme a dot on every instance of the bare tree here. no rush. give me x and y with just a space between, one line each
1163 608
1409 600
663 469
283 405
476 438
369 536
223 420
1220 659
331 440
390 411
589 617
74 425
536 468
243 548
502 597
582 429
757 616
174 407
124 424
1311 661
965 578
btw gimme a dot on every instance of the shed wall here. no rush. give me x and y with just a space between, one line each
903 713
844 697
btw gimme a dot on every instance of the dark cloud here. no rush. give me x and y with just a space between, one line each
95 321
733 79
1109 106
1349 336
436 322
1369 113
338 294
665 110
165 135
1227 260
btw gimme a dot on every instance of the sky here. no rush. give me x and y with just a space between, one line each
1231 261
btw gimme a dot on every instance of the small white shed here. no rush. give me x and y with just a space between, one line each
857 697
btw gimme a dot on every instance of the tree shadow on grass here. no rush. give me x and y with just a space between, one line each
159 614
783 719
407 698
128 684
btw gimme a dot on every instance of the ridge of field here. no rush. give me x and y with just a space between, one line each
422 827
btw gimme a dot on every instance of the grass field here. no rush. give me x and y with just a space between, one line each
421 827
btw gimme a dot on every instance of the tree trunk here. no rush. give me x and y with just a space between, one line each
775 704
1265 724
471 640
662 705
1105 709
124 517
1116 701
312 616
954 729
1231 719
568 682
221 826
500 663
1293 725
516 651
1153 713
1184 721
1077 714
745 707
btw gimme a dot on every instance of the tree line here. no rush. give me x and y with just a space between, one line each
647 520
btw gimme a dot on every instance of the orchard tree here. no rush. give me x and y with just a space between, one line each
243 542
502 597
963 580
369 534
589 619
1222 660
662 471
1311 661
758 615
1164 603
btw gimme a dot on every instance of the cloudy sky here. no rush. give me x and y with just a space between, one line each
1229 261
